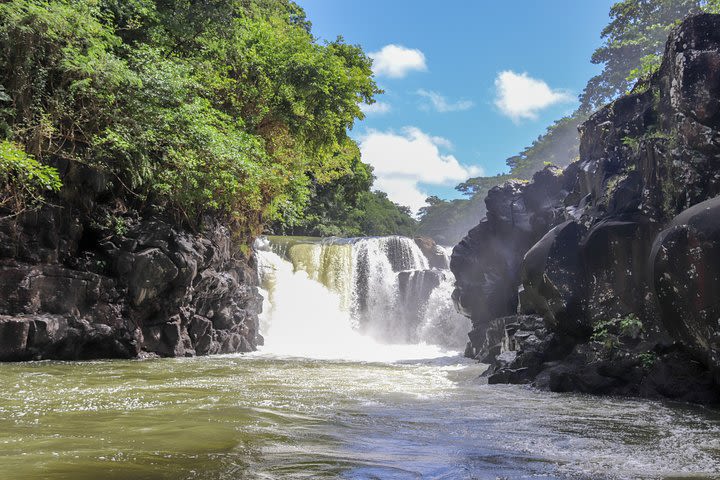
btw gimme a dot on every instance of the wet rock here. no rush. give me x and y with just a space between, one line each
686 278
35 337
13 338
92 278
486 268
653 374
202 335
47 332
149 274
680 377
602 248
615 259
232 342
487 343
553 279
522 350
487 262
433 252
166 340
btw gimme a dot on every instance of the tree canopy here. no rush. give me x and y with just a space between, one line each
633 43
229 107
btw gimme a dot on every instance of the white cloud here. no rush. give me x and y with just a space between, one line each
442 142
396 61
519 96
377 108
402 192
402 162
441 104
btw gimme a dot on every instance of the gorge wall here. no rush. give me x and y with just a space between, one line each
87 277
605 277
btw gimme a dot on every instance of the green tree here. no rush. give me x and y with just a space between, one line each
346 207
229 107
633 43
378 215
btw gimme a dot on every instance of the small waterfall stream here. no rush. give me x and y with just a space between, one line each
361 298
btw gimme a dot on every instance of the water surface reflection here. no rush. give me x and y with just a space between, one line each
260 416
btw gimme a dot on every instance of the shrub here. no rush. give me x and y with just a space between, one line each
609 332
23 180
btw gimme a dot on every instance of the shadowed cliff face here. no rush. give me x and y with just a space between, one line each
88 278
613 263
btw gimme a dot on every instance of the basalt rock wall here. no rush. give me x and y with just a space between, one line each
605 277
87 277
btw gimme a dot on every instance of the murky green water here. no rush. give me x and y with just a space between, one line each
255 416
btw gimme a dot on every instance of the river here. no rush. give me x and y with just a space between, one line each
261 416
347 386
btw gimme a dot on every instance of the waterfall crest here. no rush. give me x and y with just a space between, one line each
369 298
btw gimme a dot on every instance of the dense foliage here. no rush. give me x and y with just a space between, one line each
23 180
228 107
347 207
634 41
633 44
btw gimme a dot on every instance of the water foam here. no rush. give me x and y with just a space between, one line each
304 318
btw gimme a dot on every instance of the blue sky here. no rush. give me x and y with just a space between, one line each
468 83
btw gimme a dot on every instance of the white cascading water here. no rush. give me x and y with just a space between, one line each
376 301
341 299
441 321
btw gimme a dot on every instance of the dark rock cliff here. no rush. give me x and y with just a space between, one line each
87 277
605 277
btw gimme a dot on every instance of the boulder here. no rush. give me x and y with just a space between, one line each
165 340
615 259
487 262
202 334
669 374
149 273
437 258
553 280
35 337
686 278
13 338
525 347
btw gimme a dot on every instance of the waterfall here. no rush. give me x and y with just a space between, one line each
440 320
363 298
377 263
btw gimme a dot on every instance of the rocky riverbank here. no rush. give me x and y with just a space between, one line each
605 277
89 277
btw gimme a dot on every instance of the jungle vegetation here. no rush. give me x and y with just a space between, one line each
196 107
